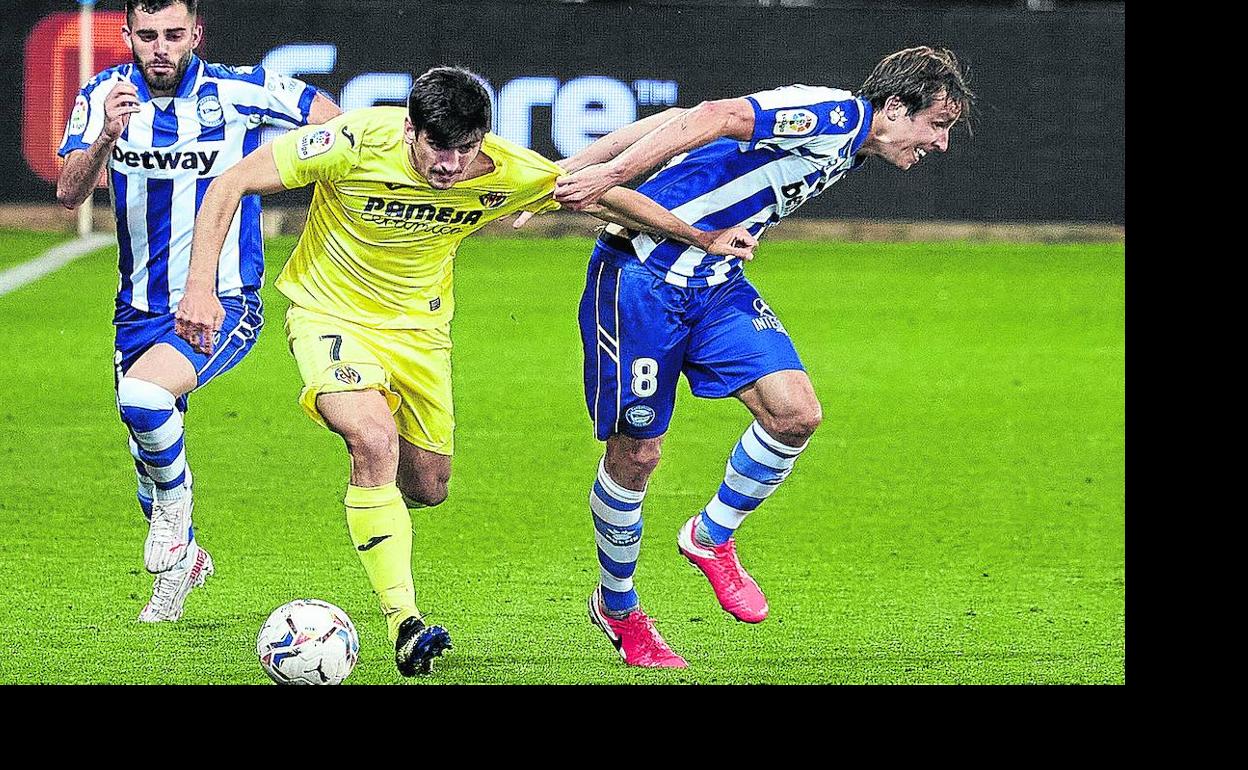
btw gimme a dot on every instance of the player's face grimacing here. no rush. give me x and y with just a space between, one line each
441 166
911 137
162 43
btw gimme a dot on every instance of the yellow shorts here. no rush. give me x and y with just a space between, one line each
411 367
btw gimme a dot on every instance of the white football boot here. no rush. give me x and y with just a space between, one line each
171 587
168 533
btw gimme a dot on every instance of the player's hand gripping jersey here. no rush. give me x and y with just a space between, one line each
804 139
380 243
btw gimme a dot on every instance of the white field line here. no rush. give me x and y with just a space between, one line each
53 259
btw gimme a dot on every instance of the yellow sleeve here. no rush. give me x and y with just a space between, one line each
539 197
323 153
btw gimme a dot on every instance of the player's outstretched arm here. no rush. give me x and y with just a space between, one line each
199 312
608 147
322 109
631 209
82 167
708 121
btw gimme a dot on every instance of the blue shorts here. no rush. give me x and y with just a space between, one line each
137 331
639 333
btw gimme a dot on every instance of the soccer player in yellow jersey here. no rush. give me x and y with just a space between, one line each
395 191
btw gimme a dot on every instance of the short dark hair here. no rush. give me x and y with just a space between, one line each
451 105
917 76
152 6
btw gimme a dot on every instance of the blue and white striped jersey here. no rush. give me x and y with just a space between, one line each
164 161
805 138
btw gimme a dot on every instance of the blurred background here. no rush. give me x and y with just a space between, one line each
1047 145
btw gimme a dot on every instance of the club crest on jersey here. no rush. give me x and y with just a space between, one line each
208 110
347 375
78 119
493 200
794 122
315 143
639 415
766 317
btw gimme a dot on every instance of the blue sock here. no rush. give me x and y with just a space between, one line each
757 465
617 531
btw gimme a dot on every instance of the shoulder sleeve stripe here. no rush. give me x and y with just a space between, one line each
221 72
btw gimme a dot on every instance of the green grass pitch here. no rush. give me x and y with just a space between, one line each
958 518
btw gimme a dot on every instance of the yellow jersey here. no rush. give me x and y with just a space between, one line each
379 245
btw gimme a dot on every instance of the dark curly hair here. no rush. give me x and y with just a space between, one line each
451 105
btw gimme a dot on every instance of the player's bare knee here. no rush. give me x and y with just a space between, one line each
424 493
806 421
794 426
631 461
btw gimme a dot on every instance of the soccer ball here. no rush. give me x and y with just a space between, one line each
308 641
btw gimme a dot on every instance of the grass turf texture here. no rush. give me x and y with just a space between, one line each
958 518
17 246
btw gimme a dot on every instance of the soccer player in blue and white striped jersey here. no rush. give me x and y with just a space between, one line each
653 309
165 126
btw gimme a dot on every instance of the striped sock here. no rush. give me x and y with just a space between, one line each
757 465
146 494
617 530
146 487
156 426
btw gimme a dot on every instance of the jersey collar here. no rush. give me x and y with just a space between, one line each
864 127
185 88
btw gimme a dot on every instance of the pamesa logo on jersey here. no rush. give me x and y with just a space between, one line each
208 110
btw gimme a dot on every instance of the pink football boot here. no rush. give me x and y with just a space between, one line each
634 637
736 590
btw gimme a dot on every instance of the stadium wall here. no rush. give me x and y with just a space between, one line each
1048 144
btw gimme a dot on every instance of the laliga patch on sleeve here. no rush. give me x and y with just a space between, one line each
315 143
78 118
794 122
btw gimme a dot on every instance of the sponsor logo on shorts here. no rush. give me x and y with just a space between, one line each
766 317
346 374
435 303
794 122
493 200
315 143
639 416
208 110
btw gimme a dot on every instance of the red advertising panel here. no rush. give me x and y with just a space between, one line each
51 79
